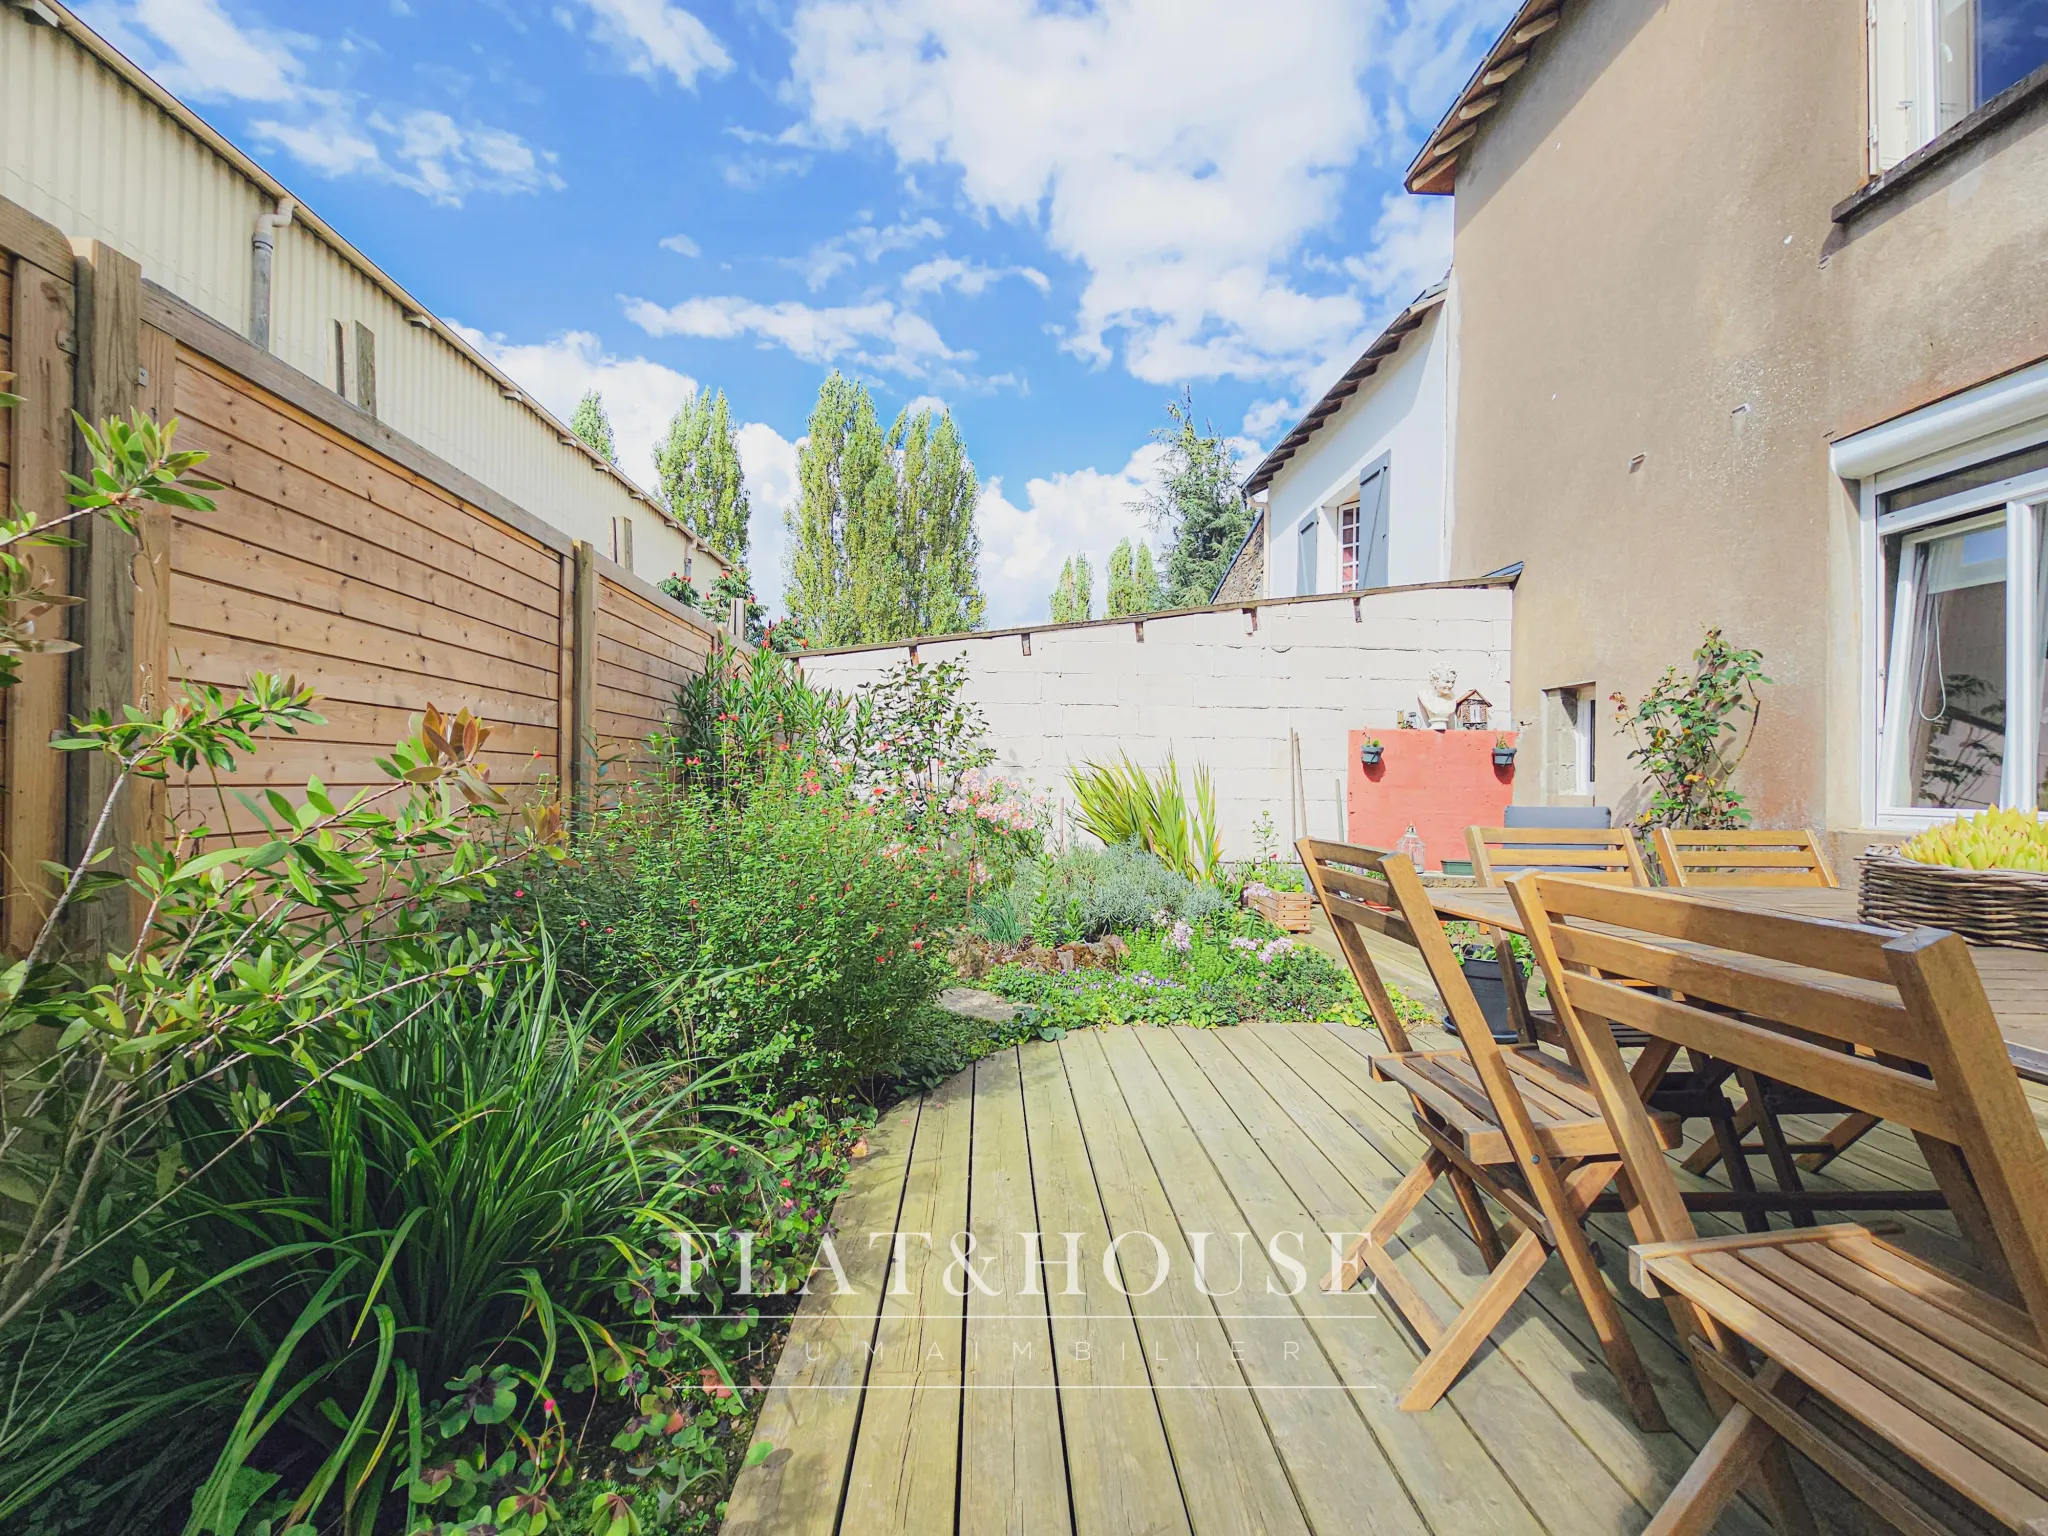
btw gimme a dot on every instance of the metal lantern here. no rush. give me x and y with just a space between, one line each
1473 712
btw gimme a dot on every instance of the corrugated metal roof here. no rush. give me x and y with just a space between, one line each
1435 169
1384 346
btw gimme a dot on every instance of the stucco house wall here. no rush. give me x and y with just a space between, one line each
1660 330
1400 413
1220 686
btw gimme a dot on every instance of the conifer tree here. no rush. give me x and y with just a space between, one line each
698 467
592 425
1197 505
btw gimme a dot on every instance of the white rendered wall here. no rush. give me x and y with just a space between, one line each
1403 411
1205 687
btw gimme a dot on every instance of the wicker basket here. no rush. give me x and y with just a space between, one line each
1285 910
1991 906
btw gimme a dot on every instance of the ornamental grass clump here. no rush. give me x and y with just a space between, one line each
1121 803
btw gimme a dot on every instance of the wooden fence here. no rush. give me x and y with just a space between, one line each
338 552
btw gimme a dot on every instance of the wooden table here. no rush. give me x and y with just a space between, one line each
2015 980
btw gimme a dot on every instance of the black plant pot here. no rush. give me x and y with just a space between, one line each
1488 990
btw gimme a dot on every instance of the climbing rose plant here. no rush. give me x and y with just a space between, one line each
1689 736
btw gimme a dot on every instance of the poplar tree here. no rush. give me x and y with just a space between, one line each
1133 585
592 425
940 550
698 467
1072 600
882 541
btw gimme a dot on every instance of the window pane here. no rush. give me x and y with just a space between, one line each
2012 42
1347 545
1947 725
1955 60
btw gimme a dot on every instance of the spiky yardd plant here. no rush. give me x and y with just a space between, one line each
1121 803
470 1190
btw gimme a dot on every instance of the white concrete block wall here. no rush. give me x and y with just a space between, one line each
1202 686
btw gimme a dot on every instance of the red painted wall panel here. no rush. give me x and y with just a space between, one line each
1439 782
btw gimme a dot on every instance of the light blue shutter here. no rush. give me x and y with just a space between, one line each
1305 567
1372 525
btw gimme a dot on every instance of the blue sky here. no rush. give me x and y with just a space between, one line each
1048 216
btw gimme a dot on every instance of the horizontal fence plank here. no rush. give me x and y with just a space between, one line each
200 604
262 422
227 660
413 574
269 575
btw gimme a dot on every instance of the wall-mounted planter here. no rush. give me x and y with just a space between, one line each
1370 756
1503 757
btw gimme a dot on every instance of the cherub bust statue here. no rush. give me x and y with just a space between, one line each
1437 702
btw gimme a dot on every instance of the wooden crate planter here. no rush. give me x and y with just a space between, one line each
1285 910
1992 906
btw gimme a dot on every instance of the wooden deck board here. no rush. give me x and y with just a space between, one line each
906 1456
1120 1466
1231 1476
1062 1405
1013 1472
1338 1468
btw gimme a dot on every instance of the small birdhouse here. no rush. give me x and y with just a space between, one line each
1474 712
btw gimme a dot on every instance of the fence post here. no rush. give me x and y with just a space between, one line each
105 383
583 687
34 803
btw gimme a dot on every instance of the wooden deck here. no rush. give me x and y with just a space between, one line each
1089 1400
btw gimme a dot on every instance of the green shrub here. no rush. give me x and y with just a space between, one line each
1228 969
1084 893
806 929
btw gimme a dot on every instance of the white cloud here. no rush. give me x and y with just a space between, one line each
198 51
682 245
639 395
1410 250
864 242
876 335
970 277
1180 150
653 37
769 462
1083 511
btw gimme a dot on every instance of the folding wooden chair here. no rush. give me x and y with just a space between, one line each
1691 859
1517 1125
1608 855
1933 1370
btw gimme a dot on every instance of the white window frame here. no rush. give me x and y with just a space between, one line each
1922 19
2021 499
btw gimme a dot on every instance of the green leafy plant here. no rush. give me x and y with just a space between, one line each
134 467
746 712
810 925
912 732
1121 803
1689 736
1229 968
241 952
447 1184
